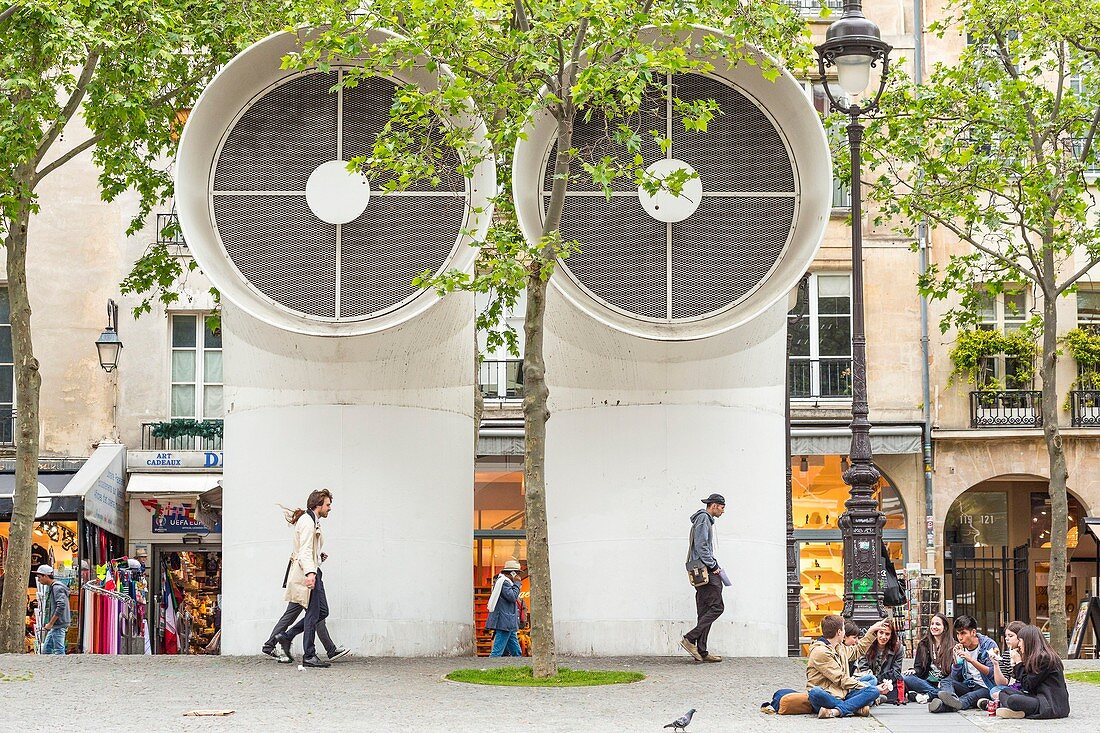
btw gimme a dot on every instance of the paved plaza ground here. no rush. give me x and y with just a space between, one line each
150 694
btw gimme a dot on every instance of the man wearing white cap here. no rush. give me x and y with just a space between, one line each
55 606
504 613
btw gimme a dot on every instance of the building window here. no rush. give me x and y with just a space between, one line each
821 339
1088 310
1005 312
7 373
842 192
196 368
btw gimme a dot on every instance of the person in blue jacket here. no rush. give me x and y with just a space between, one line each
971 677
504 612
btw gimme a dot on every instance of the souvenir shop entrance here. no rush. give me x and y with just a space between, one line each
186 593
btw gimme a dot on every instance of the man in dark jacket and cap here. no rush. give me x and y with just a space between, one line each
708 597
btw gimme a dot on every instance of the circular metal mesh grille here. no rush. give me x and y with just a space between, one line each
704 264
340 272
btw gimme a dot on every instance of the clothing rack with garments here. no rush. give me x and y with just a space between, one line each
114 614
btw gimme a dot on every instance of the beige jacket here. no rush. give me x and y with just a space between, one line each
304 559
828 666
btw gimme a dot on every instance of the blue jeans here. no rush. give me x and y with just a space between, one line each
856 699
919 685
55 641
506 644
967 695
868 678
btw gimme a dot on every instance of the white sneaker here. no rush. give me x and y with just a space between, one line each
921 698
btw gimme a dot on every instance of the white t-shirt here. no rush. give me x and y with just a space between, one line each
973 672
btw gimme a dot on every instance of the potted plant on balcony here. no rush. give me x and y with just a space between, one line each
1084 346
969 358
207 430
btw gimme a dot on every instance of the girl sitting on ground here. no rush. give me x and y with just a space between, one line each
932 661
1042 693
882 660
1010 657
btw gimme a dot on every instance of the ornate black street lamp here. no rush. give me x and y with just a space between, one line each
109 345
853 45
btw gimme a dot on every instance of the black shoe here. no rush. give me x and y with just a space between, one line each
950 700
340 653
315 662
284 642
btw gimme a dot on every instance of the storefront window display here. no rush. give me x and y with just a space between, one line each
499 536
189 619
818 493
1040 520
54 543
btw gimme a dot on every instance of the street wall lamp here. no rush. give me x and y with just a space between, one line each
853 45
109 345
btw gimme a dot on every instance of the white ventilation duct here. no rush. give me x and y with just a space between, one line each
302 250
736 241
665 358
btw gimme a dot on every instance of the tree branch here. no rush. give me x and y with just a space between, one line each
521 18
70 107
973 242
1077 276
1010 69
8 12
90 142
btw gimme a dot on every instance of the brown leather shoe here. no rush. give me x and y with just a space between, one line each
691 649
828 713
712 658
864 712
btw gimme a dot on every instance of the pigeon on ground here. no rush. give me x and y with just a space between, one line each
681 723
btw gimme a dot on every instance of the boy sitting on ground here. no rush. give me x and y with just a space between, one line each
833 692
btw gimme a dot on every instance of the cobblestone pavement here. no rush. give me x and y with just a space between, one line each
151 694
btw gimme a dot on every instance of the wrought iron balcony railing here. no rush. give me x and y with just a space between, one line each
1007 408
813 7
1085 408
820 378
150 441
501 379
168 231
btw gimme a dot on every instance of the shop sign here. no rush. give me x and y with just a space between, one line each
190 460
105 500
176 517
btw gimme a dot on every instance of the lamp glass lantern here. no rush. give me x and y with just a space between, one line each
109 345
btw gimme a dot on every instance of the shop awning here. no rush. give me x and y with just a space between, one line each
813 440
172 483
100 481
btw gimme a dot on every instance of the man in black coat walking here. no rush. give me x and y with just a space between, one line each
708 597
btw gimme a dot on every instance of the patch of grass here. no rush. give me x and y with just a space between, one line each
1091 677
522 677
13 677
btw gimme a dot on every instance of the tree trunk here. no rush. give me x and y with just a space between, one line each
1059 505
17 567
535 415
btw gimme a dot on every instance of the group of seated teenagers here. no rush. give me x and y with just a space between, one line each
954 668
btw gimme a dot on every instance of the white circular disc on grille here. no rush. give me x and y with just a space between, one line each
335 194
664 205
